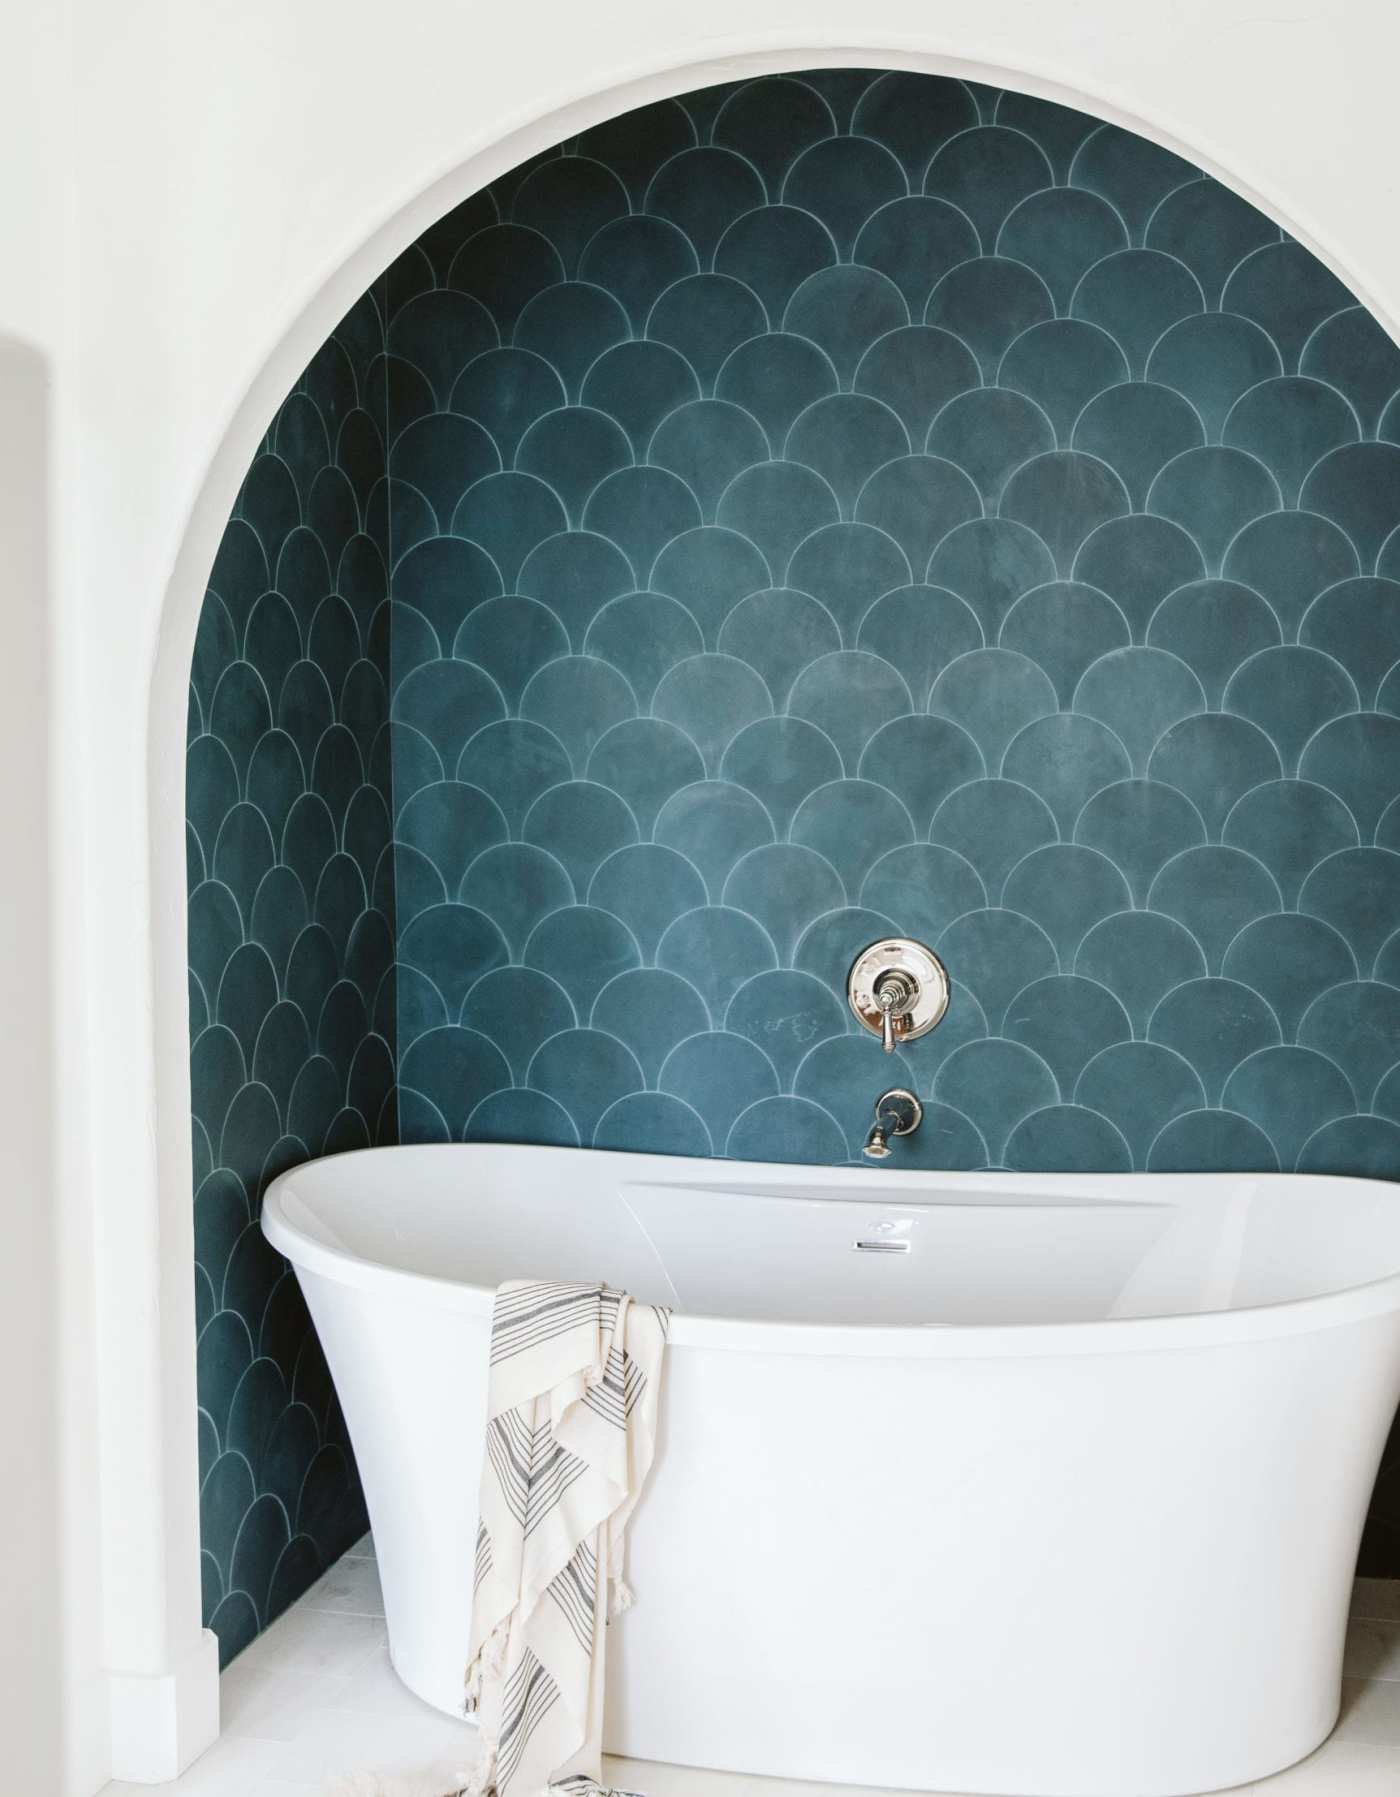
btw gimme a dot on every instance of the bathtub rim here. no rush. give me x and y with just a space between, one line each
954 1341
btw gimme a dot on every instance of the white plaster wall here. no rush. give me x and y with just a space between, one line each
194 191
52 1692
29 1457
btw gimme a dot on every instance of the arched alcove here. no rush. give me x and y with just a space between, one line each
1028 585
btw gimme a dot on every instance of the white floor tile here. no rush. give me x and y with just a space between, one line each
1373 1649
351 1587
316 1641
429 1781
314 1702
386 1738
1370 1712
273 1706
1338 1769
232 1767
1379 1598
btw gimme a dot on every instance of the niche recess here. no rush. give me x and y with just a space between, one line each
815 508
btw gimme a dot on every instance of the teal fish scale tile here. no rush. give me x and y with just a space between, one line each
291 947
821 507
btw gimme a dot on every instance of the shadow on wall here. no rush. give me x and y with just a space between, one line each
819 508
291 959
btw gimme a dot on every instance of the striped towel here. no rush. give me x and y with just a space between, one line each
571 1429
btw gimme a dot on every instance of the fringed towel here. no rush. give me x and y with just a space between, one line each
571 1429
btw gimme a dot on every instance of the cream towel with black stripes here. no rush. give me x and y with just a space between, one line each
570 1433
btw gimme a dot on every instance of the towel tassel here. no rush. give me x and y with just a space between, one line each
483 1778
489 1663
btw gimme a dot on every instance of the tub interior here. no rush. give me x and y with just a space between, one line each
832 1246
954 1258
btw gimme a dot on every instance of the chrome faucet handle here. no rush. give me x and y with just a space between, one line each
898 990
896 994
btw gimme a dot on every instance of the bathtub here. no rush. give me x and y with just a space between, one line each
1041 1485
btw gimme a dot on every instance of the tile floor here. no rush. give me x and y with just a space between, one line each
314 1700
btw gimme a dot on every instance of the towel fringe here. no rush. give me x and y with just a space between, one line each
535 1673
490 1662
483 1778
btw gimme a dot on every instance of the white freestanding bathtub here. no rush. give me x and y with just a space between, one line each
1041 1484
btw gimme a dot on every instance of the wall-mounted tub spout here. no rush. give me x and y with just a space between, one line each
897 1113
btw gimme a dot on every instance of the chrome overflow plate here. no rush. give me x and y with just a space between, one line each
898 989
884 1238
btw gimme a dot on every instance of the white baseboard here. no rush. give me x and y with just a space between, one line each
162 1722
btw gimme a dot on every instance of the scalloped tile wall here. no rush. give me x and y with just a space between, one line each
845 504
291 945
849 502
